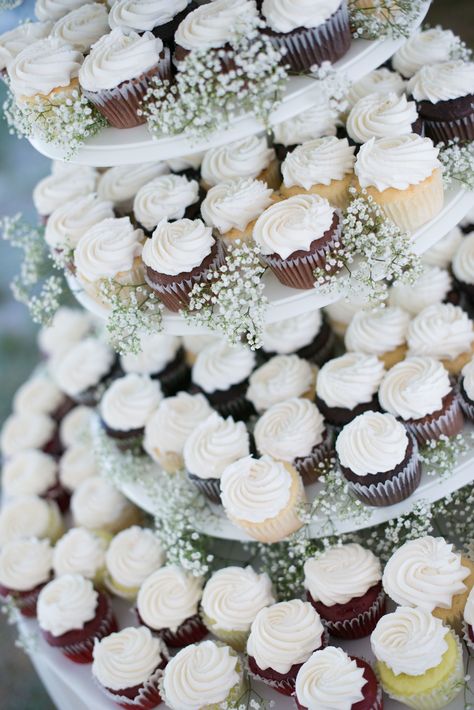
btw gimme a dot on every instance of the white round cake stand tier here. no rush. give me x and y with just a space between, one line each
287 302
114 146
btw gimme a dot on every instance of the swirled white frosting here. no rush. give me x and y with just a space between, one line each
287 15
200 673
58 188
127 658
282 377
428 47
379 81
414 388
133 555
166 197
79 551
293 224
121 184
83 366
289 429
156 352
377 331
349 380
75 428
76 464
96 504
235 203
467 379
341 573
291 334
178 247
130 401
331 680
142 15
234 595
284 634
318 162
54 9
469 609
27 430
30 472
425 573
463 260
255 489
372 443
39 395
175 419
409 641
168 597
82 27
442 331
220 365
315 122
66 603
432 286
381 116
14 41
213 24
443 251
67 327
68 223
25 564
443 81
27 517
245 158
107 249
214 444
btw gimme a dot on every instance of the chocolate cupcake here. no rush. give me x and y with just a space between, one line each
382 116
466 390
84 370
162 358
279 379
25 567
434 285
120 184
168 197
150 16
308 335
247 158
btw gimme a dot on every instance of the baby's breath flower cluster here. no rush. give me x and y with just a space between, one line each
284 566
214 85
250 699
333 86
440 456
453 515
457 160
383 18
232 301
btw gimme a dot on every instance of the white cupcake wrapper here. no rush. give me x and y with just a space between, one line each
449 421
147 696
349 627
467 639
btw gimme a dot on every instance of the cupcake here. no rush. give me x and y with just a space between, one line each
434 285
466 390
73 617
67 223
76 464
444 332
297 236
344 586
21 432
282 637
382 116
168 197
195 344
444 96
428 47
161 357
25 567
75 427
58 188
341 312
442 252
333 679
29 516
81 551
97 505
419 392
117 73
204 675
463 266
379 81
188 165
378 459
262 497
83 370
231 600
167 430
281 378
381 332
21 36
323 166
308 34
428 573
33 473
120 184
231 208
55 9
315 122
213 445
83 27
221 372
413 194
247 158
68 327
168 603
128 667
40 395
131 557
419 660
295 431
308 335
468 624
178 256
347 386
160 18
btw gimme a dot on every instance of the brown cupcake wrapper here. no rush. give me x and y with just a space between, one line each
209 487
175 376
362 625
467 406
147 697
308 466
445 131
466 636
239 408
449 423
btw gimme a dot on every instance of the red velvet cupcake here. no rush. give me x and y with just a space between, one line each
25 567
344 586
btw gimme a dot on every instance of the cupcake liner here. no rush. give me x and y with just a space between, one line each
190 631
445 131
360 626
147 697
175 376
449 423
209 487
466 405
321 352
81 651
25 602
308 466
239 408
236 639
468 637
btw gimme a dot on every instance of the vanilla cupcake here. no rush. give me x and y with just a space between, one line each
379 81
33 473
168 429
131 557
161 357
82 27
40 395
30 516
127 405
67 327
75 427
381 332
463 266
77 464
97 505
247 158
434 285
83 370
427 47
466 390
67 223
28 431
120 184
279 379
58 188
445 332
263 497
381 116
168 197
442 252
324 166
81 551
410 191
25 567
378 459
21 36
306 334
161 18
318 121
347 386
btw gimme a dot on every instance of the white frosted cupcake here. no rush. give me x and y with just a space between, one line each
75 427
81 551
428 47
40 395
68 326
263 497
70 221
466 390
442 252
381 332
161 357
21 432
168 197
120 184
305 334
77 464
378 81
30 516
83 369
58 188
131 557
127 405
21 36
33 473
231 600
170 426
463 265
168 603
279 379
55 9
97 505
82 27
247 158
318 121
381 116
432 286
25 567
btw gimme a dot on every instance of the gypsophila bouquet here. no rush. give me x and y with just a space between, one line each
373 19
457 160
440 456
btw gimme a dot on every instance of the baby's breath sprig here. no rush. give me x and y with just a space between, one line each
453 515
440 456
457 160
333 86
250 699
284 566
373 19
